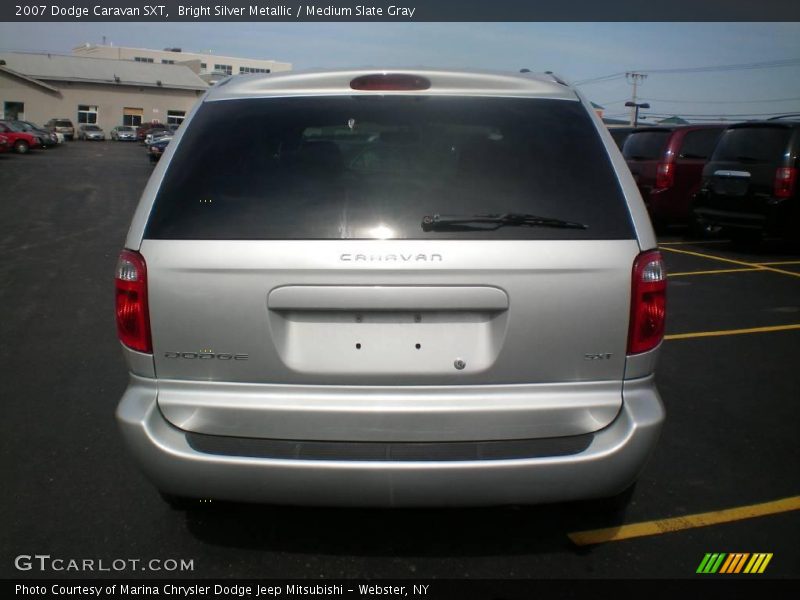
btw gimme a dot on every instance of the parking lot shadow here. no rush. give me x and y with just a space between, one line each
399 532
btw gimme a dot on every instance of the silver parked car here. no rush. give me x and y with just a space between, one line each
410 288
123 133
91 132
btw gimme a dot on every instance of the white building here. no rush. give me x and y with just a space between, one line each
40 87
210 67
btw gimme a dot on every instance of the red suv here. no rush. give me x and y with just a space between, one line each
146 128
20 140
667 164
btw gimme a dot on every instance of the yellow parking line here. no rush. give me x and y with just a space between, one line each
700 334
712 257
714 272
694 242
659 526
782 262
732 261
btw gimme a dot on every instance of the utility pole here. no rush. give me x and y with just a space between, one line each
634 79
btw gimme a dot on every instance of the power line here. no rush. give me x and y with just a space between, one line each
599 79
769 114
613 101
767 64
718 101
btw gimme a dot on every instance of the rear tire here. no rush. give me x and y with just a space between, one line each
21 147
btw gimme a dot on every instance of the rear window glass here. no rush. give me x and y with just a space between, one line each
63 123
700 143
753 144
646 145
620 135
358 167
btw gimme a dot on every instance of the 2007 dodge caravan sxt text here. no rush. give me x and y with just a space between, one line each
393 288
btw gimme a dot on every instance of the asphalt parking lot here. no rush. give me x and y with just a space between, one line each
728 376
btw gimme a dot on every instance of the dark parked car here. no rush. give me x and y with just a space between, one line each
47 138
750 184
620 134
156 149
667 164
64 126
20 140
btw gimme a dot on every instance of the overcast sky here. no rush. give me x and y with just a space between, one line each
578 51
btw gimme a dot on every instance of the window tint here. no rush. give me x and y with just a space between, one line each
753 144
646 145
700 143
620 135
363 167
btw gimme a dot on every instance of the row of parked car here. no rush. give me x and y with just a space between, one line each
740 178
23 136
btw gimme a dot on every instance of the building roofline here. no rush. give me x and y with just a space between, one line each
238 58
122 82
29 79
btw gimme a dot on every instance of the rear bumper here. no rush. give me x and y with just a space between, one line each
768 215
611 461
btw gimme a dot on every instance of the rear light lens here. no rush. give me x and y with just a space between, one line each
133 320
665 175
392 82
785 179
648 302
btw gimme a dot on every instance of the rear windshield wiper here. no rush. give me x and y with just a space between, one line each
747 159
492 222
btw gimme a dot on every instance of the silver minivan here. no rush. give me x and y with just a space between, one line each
391 288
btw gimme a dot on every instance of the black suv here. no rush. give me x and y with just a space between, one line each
749 186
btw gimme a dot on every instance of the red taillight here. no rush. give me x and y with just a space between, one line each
665 175
785 179
392 82
648 302
133 320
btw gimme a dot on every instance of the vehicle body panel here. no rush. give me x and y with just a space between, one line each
379 345
608 464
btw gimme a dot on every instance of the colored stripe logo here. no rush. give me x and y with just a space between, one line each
734 562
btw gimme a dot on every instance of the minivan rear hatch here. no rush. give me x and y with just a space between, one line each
286 248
